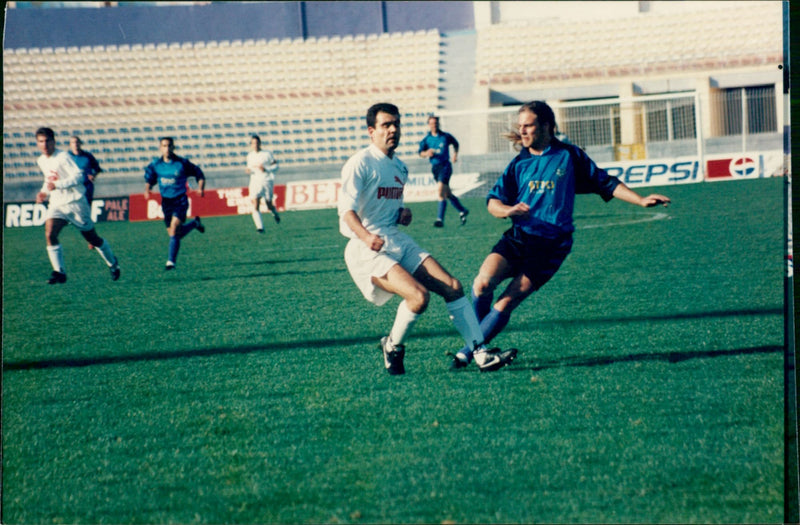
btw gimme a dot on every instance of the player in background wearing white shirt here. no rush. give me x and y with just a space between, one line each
64 189
384 261
261 166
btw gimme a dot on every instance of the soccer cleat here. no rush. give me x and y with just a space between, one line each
200 227
115 272
170 266
277 218
458 363
57 278
494 358
463 217
438 223
260 230
393 356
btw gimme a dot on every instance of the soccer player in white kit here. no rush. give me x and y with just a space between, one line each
64 189
384 261
261 165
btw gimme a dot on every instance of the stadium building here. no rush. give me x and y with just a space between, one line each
630 81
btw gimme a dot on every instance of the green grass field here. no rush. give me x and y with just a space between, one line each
247 387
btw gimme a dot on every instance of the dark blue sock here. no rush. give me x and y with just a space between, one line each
493 324
174 246
188 227
457 204
442 207
481 304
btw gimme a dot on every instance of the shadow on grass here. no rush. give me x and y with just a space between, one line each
669 357
77 362
672 357
228 276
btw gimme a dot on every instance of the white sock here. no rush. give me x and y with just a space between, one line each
463 317
403 322
56 255
104 250
257 219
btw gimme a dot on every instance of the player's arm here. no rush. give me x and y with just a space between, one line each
353 221
454 143
424 151
69 175
500 210
95 167
624 193
150 178
199 176
272 165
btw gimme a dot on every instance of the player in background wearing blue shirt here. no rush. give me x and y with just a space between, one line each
88 165
436 147
171 173
537 191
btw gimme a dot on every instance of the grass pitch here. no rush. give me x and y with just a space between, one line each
247 387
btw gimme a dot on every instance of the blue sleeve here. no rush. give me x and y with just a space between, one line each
193 170
150 175
506 188
589 178
452 140
94 166
423 145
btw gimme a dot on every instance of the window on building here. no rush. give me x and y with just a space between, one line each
745 108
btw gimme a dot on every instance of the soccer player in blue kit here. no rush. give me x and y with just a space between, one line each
88 165
537 191
436 147
171 172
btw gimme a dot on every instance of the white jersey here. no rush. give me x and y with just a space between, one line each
60 169
372 186
262 164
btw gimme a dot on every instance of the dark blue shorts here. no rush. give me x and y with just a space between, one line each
442 172
175 207
539 258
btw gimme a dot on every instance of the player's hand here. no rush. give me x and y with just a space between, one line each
51 185
404 217
374 242
654 200
146 195
519 210
41 197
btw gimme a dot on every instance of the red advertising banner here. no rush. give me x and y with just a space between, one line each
215 203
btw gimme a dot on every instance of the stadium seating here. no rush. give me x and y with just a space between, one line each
708 39
235 87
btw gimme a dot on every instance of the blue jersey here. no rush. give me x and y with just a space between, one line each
440 144
171 176
548 184
87 164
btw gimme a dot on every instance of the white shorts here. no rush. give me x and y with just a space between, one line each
76 213
364 263
261 186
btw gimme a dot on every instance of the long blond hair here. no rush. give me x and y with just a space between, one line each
544 114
